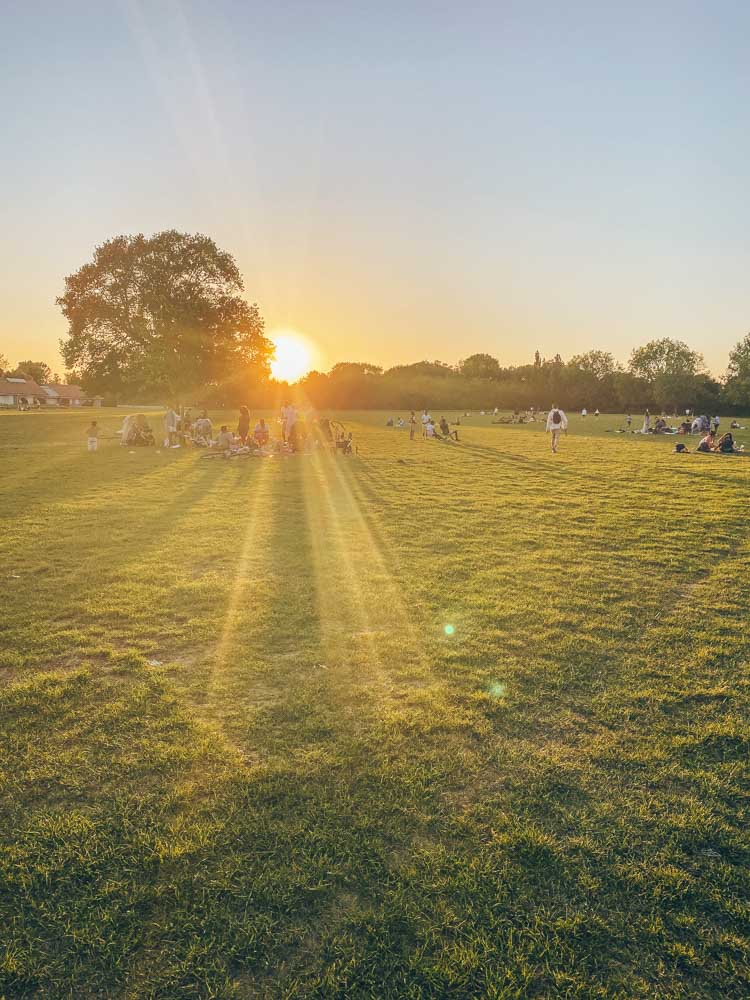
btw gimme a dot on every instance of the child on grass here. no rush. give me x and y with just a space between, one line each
92 435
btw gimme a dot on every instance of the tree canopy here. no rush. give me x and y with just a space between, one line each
738 373
665 357
37 371
600 364
163 311
480 366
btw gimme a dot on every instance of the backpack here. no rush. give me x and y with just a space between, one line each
556 417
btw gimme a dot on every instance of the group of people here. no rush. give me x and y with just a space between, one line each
429 429
298 432
725 445
702 425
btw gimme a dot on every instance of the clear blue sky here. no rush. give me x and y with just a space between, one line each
397 181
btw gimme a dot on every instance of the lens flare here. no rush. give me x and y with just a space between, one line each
497 690
449 630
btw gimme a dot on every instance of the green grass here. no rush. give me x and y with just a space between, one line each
317 792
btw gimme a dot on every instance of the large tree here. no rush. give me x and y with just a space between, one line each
738 373
38 371
665 357
480 366
162 314
3 364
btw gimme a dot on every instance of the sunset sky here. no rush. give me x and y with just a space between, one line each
396 180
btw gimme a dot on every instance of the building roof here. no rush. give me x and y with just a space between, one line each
65 391
19 387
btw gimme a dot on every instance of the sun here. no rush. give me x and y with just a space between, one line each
294 356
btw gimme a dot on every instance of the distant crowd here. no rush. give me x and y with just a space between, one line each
295 432
298 431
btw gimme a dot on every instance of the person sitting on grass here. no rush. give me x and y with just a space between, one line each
726 445
344 442
136 431
261 433
225 440
706 443
446 431
203 431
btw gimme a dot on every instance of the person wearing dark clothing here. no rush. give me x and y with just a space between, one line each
243 425
726 444
446 431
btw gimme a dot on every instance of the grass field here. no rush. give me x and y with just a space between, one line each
242 754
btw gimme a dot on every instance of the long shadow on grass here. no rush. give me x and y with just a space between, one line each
82 479
542 467
97 561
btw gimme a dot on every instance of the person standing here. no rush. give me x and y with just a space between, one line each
628 420
557 422
425 422
288 420
412 425
92 436
170 428
646 422
243 424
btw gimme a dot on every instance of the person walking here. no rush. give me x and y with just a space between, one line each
557 422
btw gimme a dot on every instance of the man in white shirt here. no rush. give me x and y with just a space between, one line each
425 422
557 422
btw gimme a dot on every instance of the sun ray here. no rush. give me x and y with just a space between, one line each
237 592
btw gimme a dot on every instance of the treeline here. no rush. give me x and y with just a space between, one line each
662 375
163 319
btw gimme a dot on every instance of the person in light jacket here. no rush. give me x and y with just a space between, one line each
557 422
